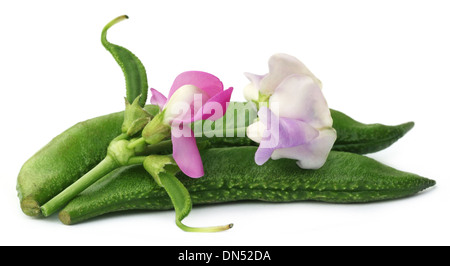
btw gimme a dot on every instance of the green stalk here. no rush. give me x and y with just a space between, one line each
211 229
182 202
135 143
136 160
104 167
109 25
164 146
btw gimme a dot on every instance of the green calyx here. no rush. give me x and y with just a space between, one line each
263 100
156 164
135 117
157 130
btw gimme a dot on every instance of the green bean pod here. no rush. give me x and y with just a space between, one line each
356 137
132 67
75 151
232 175
352 136
66 158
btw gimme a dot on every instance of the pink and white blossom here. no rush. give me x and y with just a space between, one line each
194 95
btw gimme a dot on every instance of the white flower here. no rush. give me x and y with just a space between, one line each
296 123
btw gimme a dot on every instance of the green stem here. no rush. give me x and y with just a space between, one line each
133 144
109 25
163 146
121 136
136 160
203 229
104 167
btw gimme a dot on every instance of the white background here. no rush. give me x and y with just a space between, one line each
379 61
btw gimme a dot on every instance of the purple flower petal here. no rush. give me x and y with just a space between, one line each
295 132
210 84
281 133
187 156
311 155
262 155
284 132
158 98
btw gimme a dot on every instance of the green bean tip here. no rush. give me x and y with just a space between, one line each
30 207
64 217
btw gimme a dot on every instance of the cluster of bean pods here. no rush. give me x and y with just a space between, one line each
46 181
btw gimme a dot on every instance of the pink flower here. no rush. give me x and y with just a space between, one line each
294 118
193 96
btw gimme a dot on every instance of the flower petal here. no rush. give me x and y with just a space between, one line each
215 107
311 155
299 97
251 93
284 132
158 98
262 155
184 104
210 84
275 133
254 79
294 132
187 156
255 131
280 67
